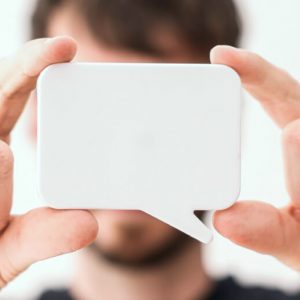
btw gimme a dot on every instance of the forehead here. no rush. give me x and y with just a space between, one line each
67 21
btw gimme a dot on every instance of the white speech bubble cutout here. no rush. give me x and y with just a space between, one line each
162 138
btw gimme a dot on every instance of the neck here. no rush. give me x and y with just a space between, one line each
181 277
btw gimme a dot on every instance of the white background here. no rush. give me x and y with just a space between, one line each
273 29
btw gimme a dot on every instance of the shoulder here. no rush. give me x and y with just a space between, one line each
56 295
229 289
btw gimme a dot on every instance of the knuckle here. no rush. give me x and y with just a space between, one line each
3 281
6 160
291 134
8 271
4 94
6 77
7 274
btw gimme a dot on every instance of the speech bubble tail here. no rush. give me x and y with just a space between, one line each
186 222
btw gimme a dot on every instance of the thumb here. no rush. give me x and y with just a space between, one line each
263 228
40 234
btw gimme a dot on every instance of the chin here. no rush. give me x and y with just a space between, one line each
133 236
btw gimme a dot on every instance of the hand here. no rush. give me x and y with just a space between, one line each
43 232
257 225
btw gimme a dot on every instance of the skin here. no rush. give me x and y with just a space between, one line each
268 230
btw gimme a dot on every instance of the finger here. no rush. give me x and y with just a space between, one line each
41 234
18 75
262 228
291 154
6 183
276 90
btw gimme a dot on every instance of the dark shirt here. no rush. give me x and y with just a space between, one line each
227 289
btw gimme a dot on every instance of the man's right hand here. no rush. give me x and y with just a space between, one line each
41 233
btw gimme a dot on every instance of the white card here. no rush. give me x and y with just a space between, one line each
162 138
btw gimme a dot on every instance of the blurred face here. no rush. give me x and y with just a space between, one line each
126 236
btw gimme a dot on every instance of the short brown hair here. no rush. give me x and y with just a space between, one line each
129 24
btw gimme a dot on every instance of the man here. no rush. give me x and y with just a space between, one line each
134 256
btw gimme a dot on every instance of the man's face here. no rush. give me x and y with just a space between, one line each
128 236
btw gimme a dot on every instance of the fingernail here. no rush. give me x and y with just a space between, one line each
53 40
233 48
